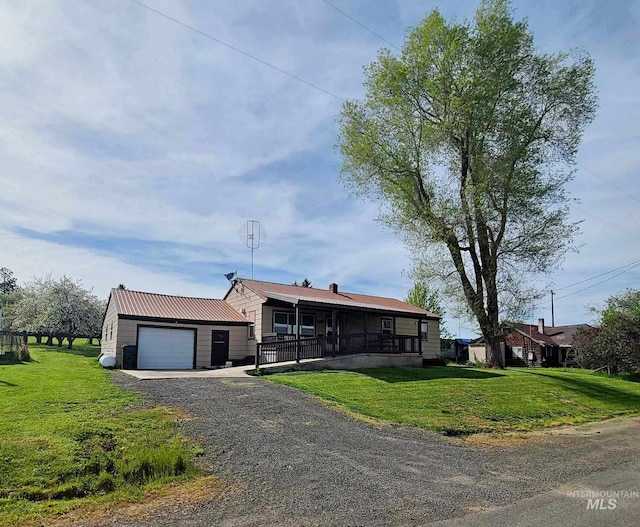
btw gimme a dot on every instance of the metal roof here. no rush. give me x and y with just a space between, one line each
297 294
141 304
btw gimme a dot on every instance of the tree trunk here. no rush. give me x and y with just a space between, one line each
39 338
70 342
495 358
59 339
49 340
90 341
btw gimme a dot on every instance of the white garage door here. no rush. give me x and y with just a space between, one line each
165 349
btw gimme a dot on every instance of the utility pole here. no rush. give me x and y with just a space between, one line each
553 321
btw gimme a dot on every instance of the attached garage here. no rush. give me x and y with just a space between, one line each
173 332
166 349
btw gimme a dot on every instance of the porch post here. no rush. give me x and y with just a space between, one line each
420 336
297 333
366 337
334 331
393 334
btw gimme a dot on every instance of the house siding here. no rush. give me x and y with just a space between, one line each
128 331
477 352
242 298
528 346
108 343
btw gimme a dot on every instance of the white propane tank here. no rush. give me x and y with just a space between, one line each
107 361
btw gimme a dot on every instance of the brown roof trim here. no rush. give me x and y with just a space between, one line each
400 313
183 321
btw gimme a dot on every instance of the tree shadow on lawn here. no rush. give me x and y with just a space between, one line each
427 374
593 390
84 352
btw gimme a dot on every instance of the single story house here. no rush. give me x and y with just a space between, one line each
273 322
533 345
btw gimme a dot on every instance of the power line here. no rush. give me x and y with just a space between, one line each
361 24
327 92
620 189
601 282
396 47
597 276
609 223
238 50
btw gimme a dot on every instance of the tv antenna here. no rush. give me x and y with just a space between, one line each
253 235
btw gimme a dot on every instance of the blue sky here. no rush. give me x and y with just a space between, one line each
133 149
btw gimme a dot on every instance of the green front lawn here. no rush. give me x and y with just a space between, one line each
70 438
459 400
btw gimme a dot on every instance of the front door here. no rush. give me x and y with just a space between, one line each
219 347
330 333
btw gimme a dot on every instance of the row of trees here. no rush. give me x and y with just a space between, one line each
57 308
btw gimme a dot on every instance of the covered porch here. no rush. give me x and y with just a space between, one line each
310 329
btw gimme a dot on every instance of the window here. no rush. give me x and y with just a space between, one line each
285 324
386 326
307 325
424 330
111 332
517 351
252 331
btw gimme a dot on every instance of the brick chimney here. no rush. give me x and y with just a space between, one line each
333 288
541 326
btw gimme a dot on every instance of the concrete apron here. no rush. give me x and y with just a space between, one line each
347 362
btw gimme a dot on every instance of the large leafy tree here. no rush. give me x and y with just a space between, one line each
467 139
615 343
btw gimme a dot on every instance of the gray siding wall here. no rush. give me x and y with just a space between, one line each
128 329
110 330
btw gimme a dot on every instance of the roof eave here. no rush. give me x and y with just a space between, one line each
331 305
174 320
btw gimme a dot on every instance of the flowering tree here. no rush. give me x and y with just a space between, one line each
60 308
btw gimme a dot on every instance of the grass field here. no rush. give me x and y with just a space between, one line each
461 401
70 438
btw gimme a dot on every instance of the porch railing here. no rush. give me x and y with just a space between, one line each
318 347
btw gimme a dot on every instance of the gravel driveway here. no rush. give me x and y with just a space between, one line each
302 464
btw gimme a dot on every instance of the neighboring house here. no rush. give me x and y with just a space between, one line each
456 349
533 345
277 321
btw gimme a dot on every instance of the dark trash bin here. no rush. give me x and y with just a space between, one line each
130 357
